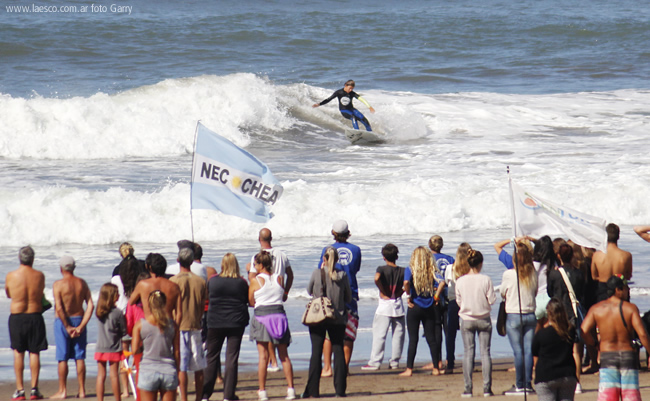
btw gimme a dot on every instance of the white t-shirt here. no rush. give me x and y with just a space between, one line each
390 307
196 268
508 290
280 263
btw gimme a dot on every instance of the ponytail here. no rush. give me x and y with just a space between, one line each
157 303
331 257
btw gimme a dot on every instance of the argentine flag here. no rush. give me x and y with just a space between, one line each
231 180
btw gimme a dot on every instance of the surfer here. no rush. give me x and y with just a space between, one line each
346 108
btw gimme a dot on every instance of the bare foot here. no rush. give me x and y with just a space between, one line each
512 369
428 366
220 380
83 395
125 394
59 396
326 373
407 373
437 372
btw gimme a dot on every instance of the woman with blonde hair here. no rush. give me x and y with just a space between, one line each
227 318
332 282
453 273
520 319
423 284
157 337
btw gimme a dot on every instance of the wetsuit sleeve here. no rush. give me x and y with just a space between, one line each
329 99
362 100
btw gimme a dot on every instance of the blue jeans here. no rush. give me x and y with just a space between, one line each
522 328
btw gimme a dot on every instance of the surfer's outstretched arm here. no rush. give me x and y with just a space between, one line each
325 101
364 101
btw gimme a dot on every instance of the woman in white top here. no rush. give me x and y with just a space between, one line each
269 323
520 325
475 297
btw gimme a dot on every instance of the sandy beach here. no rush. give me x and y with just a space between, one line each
383 384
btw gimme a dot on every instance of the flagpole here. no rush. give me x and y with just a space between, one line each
196 130
514 241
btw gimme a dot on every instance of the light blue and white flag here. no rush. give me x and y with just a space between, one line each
227 178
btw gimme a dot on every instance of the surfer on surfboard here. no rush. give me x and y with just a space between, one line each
346 108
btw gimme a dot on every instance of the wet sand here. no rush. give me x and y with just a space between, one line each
383 384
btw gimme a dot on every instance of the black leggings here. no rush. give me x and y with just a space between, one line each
431 320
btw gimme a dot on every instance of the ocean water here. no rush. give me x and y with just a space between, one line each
98 111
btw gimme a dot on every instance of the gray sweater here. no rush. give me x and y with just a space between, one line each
110 332
337 290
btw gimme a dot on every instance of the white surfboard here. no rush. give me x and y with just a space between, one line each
359 136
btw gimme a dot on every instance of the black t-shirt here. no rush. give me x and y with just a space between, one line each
392 279
227 302
556 287
555 355
345 99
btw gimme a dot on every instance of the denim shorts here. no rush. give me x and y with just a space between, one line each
154 381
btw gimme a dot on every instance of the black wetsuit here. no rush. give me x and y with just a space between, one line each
347 109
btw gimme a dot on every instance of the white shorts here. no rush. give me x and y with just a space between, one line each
192 354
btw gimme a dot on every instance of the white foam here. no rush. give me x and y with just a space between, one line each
156 120
444 169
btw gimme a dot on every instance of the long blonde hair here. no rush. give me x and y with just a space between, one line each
157 303
461 267
331 257
423 268
524 265
230 266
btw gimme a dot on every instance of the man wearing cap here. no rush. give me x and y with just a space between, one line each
617 320
70 294
197 267
24 286
350 261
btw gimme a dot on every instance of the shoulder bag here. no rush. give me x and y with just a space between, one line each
501 319
319 309
578 310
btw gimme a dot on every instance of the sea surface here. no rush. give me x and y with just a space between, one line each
99 104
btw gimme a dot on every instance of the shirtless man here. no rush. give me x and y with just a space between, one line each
70 294
156 265
616 320
26 325
615 261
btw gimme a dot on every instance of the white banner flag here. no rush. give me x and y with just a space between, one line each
538 217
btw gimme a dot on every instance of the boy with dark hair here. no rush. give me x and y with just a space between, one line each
390 311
